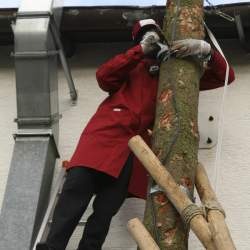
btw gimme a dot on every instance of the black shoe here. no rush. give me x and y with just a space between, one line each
43 246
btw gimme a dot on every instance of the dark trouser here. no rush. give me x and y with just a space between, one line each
80 185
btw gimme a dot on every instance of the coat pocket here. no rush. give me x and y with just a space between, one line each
113 121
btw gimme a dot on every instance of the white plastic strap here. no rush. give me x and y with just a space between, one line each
221 112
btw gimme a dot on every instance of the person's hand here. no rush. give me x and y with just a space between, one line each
163 52
149 43
191 47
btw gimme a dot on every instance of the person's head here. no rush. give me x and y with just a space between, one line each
143 26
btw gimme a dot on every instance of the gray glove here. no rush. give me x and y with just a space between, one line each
191 47
148 42
151 46
163 52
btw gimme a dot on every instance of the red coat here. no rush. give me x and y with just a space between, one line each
127 111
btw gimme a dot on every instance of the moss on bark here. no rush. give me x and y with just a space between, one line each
175 135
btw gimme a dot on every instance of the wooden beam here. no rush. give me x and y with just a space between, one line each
215 213
140 234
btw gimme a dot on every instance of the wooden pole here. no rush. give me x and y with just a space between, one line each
215 214
140 234
175 137
179 199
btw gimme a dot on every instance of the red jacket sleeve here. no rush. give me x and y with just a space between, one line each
214 76
112 74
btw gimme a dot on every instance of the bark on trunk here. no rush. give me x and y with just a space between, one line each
175 135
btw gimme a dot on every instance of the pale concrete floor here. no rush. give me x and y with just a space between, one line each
233 185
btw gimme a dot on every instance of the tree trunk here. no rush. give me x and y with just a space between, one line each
175 135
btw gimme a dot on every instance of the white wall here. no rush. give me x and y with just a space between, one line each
234 171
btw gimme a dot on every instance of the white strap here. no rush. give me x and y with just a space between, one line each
221 112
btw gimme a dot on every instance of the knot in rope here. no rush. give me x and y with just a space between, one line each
213 205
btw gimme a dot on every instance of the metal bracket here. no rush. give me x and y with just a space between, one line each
56 35
217 11
45 121
241 33
35 14
34 54
156 188
208 129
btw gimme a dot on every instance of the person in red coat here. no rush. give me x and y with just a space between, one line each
102 163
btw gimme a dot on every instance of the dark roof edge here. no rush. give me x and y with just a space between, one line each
135 6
